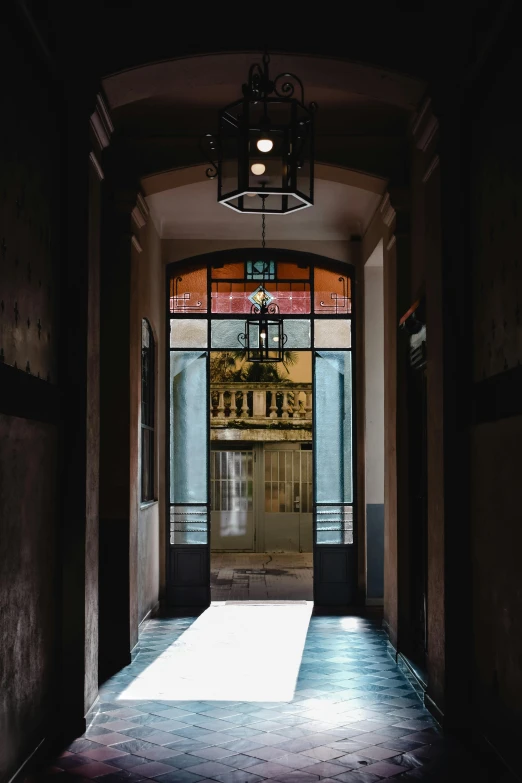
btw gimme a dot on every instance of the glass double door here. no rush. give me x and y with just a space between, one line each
261 499
333 526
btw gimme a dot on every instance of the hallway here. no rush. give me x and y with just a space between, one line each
264 692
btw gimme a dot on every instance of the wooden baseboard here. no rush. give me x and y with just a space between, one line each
153 612
59 735
31 759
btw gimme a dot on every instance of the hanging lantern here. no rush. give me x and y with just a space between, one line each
263 337
263 152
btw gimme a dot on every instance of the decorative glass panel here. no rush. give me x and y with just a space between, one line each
297 334
188 525
334 525
188 291
188 427
225 334
188 333
333 426
291 298
332 333
292 301
234 271
332 292
289 271
260 270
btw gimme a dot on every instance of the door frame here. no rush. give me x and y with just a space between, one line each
325 554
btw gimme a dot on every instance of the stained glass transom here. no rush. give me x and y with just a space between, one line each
260 270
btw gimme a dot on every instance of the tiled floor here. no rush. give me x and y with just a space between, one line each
261 577
309 698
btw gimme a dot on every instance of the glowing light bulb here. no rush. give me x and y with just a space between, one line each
265 145
275 339
258 168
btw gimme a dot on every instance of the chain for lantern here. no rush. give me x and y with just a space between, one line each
263 226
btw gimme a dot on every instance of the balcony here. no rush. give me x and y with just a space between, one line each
261 411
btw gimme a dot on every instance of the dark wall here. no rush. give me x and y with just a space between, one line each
29 434
496 461
28 585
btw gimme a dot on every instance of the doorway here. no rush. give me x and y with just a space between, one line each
261 482
260 460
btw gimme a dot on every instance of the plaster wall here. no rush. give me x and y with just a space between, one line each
381 230
147 301
374 422
178 249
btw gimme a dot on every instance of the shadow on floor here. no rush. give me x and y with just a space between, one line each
245 693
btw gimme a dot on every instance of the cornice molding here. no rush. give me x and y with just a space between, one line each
387 211
424 126
419 116
136 243
430 130
96 166
431 168
141 212
101 123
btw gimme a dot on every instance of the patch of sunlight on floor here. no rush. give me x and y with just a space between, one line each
241 652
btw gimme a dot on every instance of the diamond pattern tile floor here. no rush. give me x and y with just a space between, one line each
353 718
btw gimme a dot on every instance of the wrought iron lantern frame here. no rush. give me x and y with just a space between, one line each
263 328
264 325
241 123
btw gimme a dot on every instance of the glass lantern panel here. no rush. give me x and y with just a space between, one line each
303 153
332 333
188 333
188 291
229 142
332 292
333 426
265 171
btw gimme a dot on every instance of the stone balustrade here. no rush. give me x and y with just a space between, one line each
260 402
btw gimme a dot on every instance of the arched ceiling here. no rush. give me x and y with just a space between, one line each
429 40
215 79
184 95
161 110
183 205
